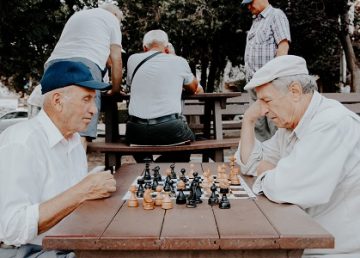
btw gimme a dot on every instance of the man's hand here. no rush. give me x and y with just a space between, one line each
254 112
264 166
112 93
97 185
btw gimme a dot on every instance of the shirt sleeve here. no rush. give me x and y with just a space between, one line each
116 36
309 175
268 150
187 74
281 27
20 191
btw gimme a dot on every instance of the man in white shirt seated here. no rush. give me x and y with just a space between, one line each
43 166
155 94
313 160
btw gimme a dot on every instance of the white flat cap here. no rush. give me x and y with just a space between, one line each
281 66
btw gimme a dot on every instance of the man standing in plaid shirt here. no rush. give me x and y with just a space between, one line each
269 36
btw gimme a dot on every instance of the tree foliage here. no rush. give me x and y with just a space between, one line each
208 33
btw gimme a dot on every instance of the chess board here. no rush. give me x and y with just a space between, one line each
242 191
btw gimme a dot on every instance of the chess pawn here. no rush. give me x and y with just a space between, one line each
183 177
213 197
140 190
147 175
159 197
148 202
166 202
224 202
234 177
133 201
181 199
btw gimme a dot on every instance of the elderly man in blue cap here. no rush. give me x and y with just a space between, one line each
268 37
43 166
313 160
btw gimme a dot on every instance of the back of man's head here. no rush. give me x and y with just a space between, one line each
114 9
155 37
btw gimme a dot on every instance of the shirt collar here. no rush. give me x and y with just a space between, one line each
308 115
53 133
266 11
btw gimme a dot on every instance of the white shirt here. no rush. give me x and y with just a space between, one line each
36 164
317 168
88 34
157 85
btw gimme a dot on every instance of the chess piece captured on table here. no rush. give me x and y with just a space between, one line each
133 201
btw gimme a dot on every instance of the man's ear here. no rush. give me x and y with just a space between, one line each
296 91
57 100
145 49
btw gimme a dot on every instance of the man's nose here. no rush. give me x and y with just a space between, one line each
93 109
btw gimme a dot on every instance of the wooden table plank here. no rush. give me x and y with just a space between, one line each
87 223
295 227
134 229
189 228
244 226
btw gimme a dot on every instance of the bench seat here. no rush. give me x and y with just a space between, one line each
208 148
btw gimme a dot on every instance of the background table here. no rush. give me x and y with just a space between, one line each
251 228
214 103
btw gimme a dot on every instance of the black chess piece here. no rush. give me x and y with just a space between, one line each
157 173
197 190
140 190
181 198
147 175
154 184
191 200
172 174
167 186
148 185
183 177
213 200
224 202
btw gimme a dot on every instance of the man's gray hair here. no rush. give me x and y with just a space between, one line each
307 83
155 37
114 9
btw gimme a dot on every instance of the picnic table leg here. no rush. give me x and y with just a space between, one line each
219 156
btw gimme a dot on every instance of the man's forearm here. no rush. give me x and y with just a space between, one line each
55 209
283 48
247 140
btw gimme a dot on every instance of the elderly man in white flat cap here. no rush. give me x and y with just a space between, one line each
313 160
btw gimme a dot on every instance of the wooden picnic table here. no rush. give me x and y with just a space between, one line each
214 103
250 228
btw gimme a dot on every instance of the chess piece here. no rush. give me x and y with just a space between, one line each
140 190
133 201
154 184
197 189
213 200
234 178
159 198
148 202
166 202
183 177
191 200
172 173
157 173
181 199
147 175
224 202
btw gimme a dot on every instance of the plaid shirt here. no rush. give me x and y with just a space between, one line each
268 29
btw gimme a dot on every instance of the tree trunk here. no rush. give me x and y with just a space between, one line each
349 54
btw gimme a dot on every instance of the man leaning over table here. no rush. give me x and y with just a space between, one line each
43 166
313 160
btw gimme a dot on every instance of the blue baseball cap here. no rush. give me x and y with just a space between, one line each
66 73
244 2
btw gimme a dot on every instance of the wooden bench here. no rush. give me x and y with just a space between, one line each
208 148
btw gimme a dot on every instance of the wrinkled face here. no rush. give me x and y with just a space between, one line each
78 108
277 105
255 7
